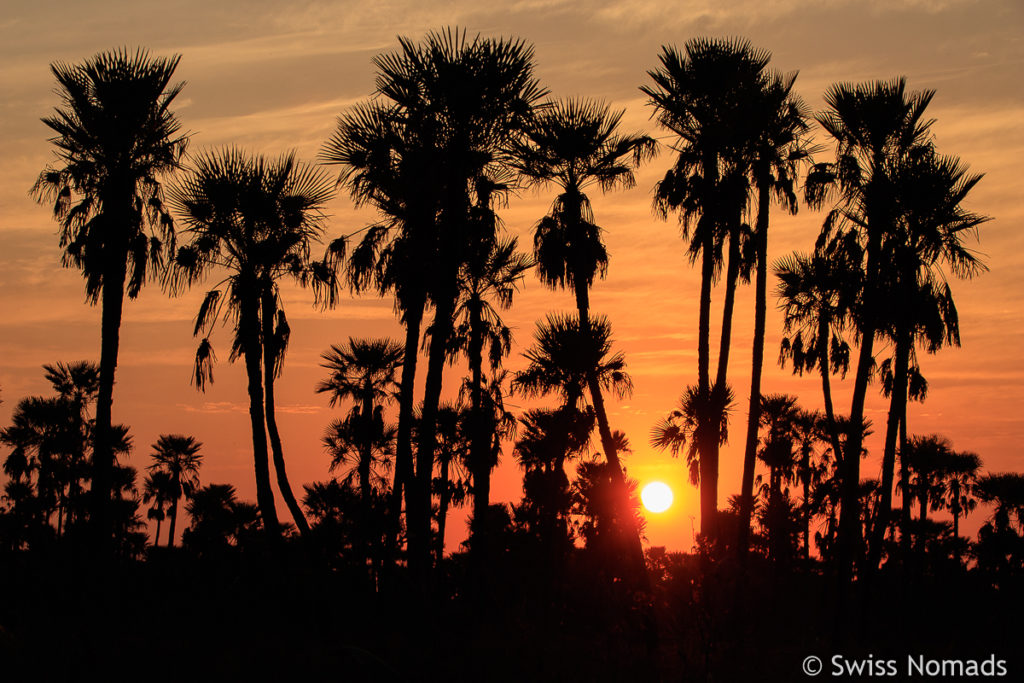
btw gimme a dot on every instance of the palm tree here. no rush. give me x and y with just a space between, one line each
566 361
876 127
549 438
958 475
116 137
815 294
493 270
474 98
704 95
447 110
178 457
77 384
257 219
158 487
386 161
574 145
779 145
930 235
363 371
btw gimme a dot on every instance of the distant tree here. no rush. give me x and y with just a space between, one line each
158 488
178 457
116 137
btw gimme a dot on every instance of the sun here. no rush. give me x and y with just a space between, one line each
656 496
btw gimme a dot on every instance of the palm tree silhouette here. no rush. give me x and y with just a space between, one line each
920 308
876 127
567 361
386 161
574 145
178 456
476 96
158 487
958 475
779 144
704 95
447 110
493 270
363 371
257 219
116 137
816 293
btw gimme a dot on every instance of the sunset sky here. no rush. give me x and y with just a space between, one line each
271 76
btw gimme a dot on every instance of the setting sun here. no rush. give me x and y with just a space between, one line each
656 496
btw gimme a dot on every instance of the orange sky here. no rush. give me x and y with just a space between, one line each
270 79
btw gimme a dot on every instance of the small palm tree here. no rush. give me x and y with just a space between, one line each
364 372
567 361
116 138
158 488
178 457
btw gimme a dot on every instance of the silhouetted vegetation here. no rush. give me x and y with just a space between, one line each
363 585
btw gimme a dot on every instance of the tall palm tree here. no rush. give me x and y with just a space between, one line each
178 456
876 127
116 138
779 144
477 96
704 96
257 219
815 294
565 361
447 109
928 240
574 145
386 161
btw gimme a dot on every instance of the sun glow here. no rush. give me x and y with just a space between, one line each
656 496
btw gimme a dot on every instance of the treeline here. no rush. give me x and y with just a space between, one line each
455 128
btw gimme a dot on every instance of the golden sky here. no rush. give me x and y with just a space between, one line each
271 76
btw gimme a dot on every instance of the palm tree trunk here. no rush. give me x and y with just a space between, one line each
440 332
171 524
250 332
757 353
905 515
805 475
270 361
156 538
103 454
479 444
403 455
635 549
826 388
897 404
442 512
708 460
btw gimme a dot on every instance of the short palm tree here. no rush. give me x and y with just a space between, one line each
363 371
257 219
158 488
116 138
567 361
178 457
